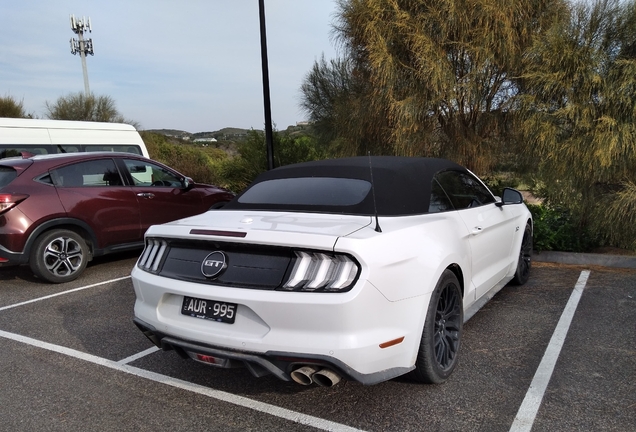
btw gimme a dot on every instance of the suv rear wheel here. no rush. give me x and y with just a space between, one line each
59 256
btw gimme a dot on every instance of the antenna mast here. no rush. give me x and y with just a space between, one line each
81 46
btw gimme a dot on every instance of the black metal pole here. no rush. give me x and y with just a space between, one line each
269 140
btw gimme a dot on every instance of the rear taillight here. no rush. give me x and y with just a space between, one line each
8 201
314 271
152 255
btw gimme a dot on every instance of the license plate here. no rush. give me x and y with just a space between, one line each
209 309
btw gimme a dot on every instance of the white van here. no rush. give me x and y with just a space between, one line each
62 136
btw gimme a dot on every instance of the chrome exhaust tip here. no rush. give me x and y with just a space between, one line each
303 375
326 378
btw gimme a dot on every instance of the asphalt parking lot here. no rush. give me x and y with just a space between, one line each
71 359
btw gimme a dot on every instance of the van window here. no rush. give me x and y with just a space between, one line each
112 148
15 150
12 150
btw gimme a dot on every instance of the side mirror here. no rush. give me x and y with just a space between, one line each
510 196
187 183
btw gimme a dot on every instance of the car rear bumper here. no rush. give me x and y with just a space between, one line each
359 334
280 364
10 258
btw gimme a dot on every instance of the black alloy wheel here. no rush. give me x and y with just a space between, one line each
59 256
522 274
441 338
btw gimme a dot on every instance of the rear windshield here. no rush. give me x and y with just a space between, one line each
7 174
308 191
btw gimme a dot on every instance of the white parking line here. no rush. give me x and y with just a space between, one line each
531 403
137 356
273 410
62 293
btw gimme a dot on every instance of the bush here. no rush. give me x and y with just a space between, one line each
9 107
214 166
186 159
238 172
554 229
497 182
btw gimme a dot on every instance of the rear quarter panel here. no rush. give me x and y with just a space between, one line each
408 257
41 205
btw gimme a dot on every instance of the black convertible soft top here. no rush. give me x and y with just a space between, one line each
402 186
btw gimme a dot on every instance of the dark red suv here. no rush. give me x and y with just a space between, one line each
59 211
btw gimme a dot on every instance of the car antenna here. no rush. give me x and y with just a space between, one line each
375 205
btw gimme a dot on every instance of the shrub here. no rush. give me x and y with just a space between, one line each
187 159
554 229
10 107
238 172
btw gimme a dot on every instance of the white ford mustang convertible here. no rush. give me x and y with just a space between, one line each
360 268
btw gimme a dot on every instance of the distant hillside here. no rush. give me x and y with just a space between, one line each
171 133
227 133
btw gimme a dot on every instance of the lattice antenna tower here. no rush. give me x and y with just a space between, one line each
82 46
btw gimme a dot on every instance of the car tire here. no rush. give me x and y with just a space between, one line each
441 337
59 256
522 274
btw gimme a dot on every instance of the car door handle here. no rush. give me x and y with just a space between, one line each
146 195
477 230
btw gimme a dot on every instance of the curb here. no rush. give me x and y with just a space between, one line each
617 261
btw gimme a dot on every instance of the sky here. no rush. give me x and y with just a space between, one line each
192 65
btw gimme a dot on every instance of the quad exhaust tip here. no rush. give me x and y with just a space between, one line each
306 375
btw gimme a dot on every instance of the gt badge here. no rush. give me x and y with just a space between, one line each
213 264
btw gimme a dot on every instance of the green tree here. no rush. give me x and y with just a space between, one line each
9 107
238 172
580 105
440 75
338 98
78 106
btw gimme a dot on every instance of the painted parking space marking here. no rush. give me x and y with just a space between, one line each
262 407
523 421
137 356
530 406
62 293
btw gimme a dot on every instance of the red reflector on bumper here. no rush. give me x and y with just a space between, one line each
209 359
392 342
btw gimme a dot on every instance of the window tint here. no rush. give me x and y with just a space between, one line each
12 150
101 172
439 200
113 148
45 178
318 191
9 151
464 190
7 174
148 174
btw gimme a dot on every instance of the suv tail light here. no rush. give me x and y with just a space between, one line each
8 201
